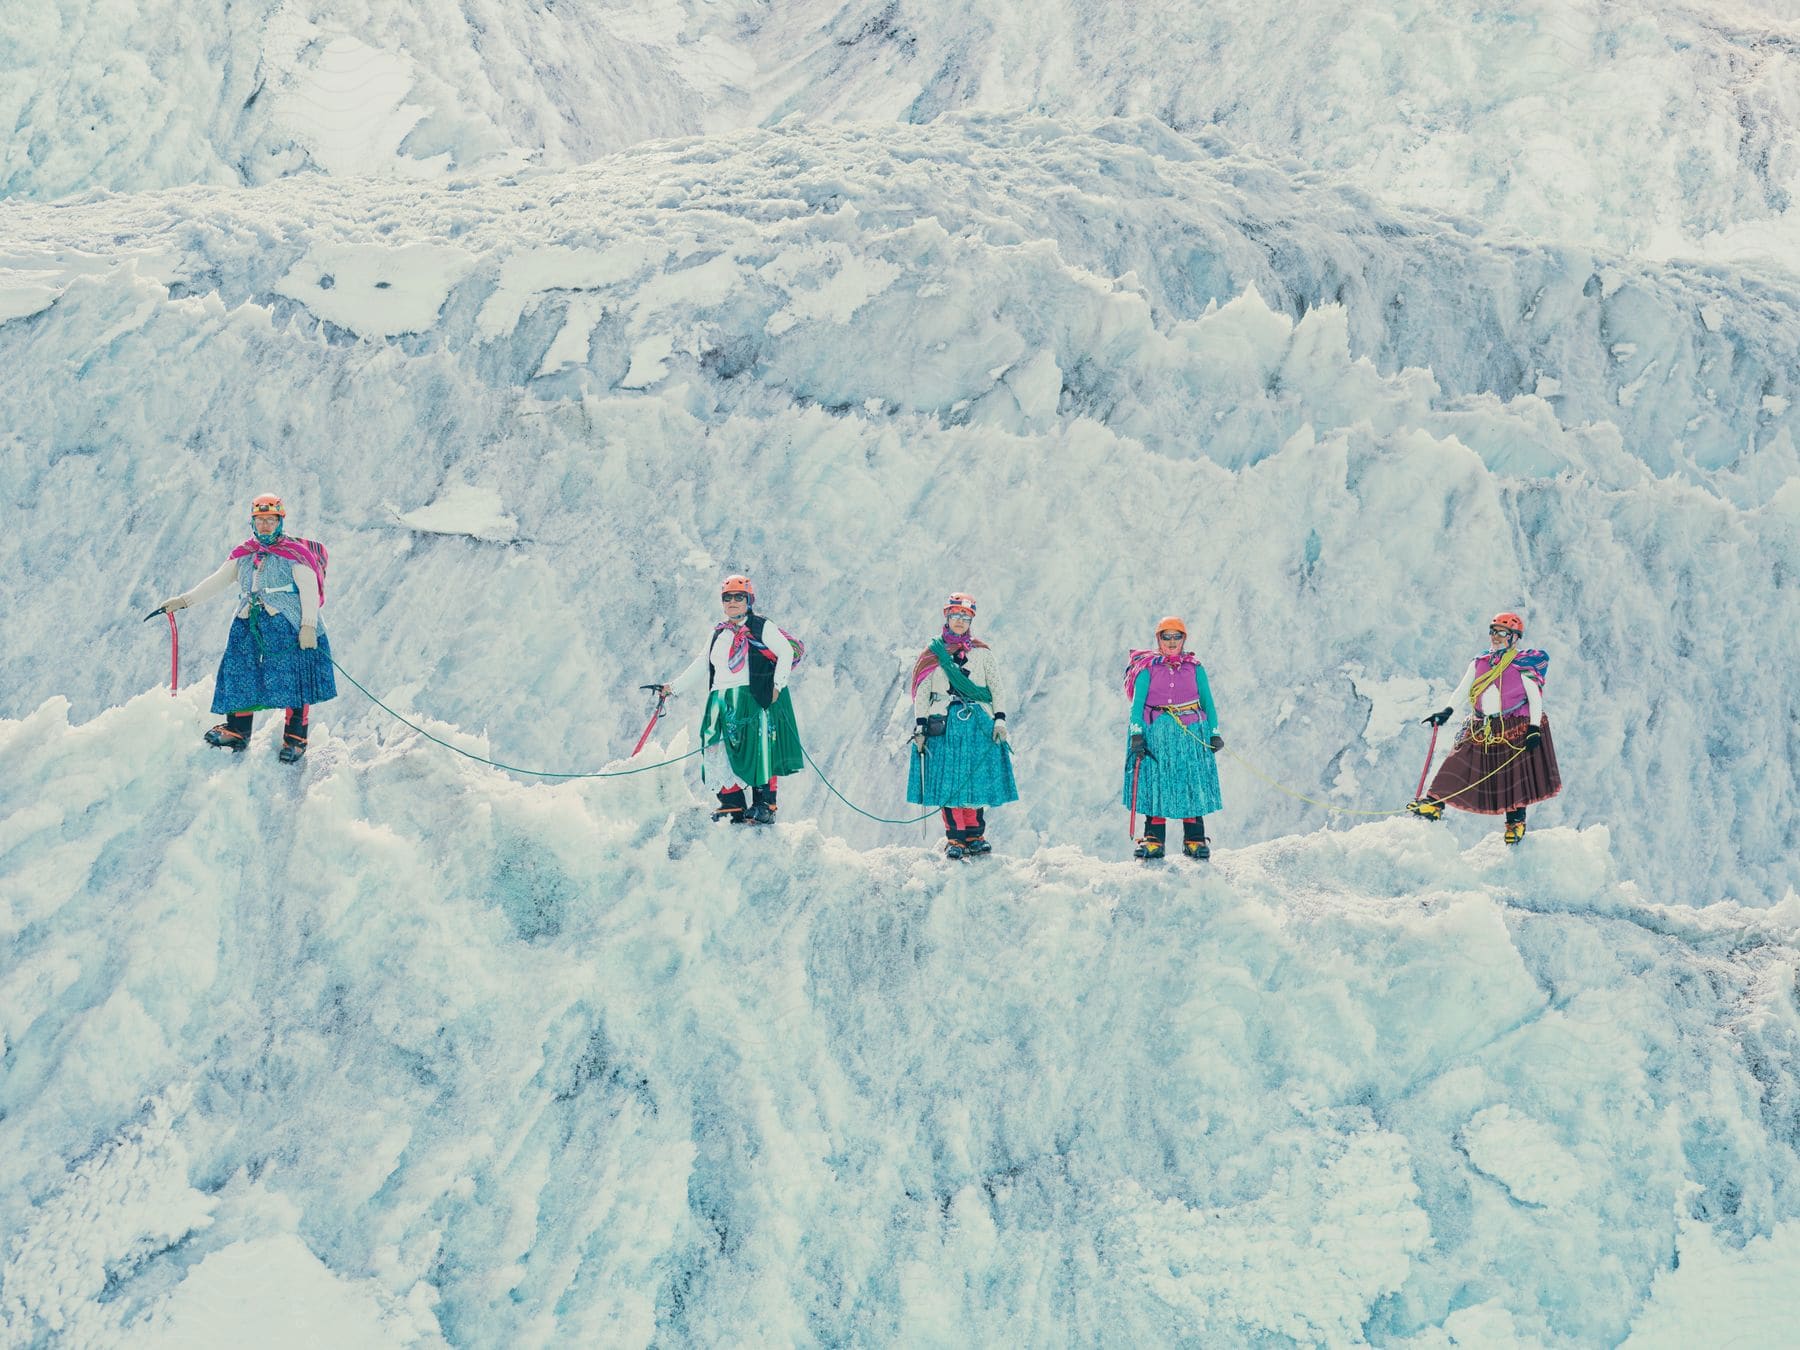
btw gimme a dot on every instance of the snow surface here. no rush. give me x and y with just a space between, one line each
1334 329
531 1064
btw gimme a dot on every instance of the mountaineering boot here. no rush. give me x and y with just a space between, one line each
1427 808
731 806
954 848
233 733
1200 849
293 739
1515 826
977 846
1149 848
762 810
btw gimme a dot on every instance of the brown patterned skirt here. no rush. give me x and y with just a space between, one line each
1483 746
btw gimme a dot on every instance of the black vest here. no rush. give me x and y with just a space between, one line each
761 662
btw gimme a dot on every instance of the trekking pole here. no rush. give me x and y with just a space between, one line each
1429 752
656 712
174 647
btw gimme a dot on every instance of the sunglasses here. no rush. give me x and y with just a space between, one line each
729 596
1171 637
1499 632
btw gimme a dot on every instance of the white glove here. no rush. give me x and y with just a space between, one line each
309 638
999 733
174 603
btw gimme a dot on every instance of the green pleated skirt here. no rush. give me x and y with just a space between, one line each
760 743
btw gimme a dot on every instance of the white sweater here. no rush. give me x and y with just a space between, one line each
1490 697
226 578
718 654
984 668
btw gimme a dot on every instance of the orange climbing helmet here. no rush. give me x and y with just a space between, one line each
1170 624
737 583
1508 620
959 603
268 504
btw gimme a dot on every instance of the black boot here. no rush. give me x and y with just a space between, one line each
1151 846
1194 842
1515 825
731 806
977 843
233 733
293 738
762 807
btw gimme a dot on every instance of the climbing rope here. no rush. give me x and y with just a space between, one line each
832 788
511 768
1332 806
615 773
914 820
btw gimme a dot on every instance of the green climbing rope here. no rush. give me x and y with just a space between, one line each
511 768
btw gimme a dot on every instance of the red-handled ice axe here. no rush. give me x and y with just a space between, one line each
656 712
1429 752
174 647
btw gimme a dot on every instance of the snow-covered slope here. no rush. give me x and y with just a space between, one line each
1668 126
873 370
1356 327
520 1064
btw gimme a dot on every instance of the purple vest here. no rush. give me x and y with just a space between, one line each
1512 684
1170 686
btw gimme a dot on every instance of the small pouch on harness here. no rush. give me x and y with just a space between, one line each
934 724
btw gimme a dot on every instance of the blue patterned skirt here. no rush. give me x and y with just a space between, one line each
1183 779
263 667
963 767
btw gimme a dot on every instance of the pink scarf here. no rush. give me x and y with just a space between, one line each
1141 660
291 549
740 644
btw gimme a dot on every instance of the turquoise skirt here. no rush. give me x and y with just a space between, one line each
963 767
1183 779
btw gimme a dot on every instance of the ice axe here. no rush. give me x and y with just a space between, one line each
174 646
1429 752
656 712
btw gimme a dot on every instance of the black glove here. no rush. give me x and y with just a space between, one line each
1137 750
1215 742
1437 719
1533 738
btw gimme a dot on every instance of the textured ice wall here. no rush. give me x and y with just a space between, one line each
1655 125
870 372
522 1064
